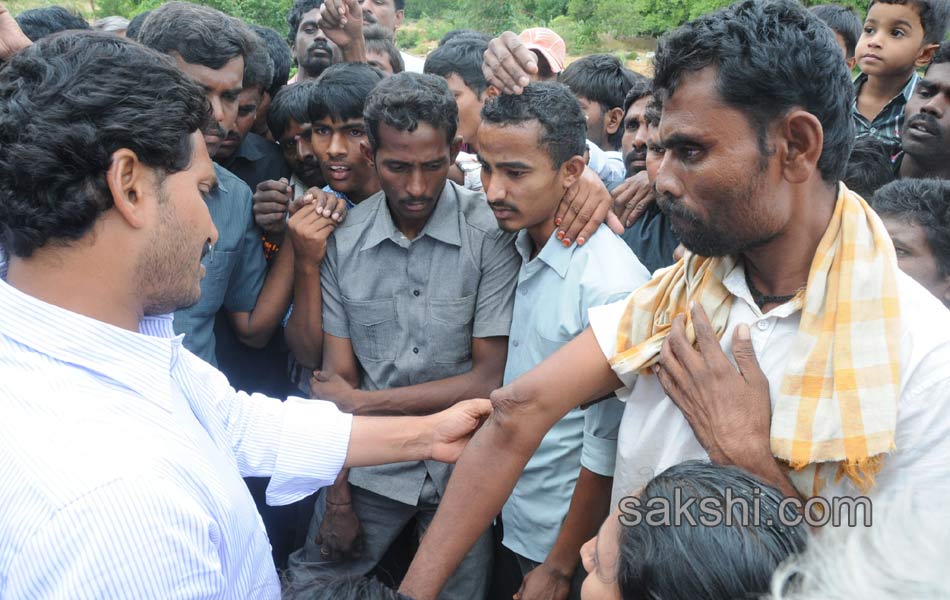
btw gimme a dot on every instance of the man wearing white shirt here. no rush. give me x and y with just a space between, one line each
786 342
123 452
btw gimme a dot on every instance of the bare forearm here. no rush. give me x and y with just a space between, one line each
430 397
255 328
383 440
304 331
355 52
590 505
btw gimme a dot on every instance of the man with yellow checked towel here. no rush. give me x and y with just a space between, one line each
786 342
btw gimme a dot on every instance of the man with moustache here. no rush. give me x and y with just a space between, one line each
312 50
389 14
926 136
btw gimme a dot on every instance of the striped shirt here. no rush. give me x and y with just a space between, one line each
888 123
122 456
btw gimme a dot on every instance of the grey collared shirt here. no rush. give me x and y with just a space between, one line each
234 269
411 307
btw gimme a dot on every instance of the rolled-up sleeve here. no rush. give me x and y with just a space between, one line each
604 322
601 424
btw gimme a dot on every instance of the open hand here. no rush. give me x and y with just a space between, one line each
632 198
509 64
454 426
584 207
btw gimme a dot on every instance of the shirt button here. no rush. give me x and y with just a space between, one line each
874 130
415 292
762 325
415 351
514 343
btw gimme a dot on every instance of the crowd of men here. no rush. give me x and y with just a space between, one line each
599 292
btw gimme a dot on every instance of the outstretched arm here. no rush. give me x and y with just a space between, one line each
488 470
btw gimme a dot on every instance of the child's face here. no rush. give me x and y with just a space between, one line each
915 256
892 40
337 146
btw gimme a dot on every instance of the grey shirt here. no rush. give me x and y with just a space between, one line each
411 307
234 269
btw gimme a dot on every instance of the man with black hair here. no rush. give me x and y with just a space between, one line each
37 23
601 82
839 357
281 60
389 15
381 51
211 47
532 151
311 49
926 136
633 144
135 25
916 213
460 34
847 27
869 167
141 495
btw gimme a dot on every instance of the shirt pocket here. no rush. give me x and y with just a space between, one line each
214 285
451 322
373 328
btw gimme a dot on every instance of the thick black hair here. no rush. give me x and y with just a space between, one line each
843 21
380 39
642 87
463 57
135 25
653 112
554 107
342 90
934 16
869 167
942 55
279 55
925 202
38 23
69 102
258 67
346 587
407 99
459 34
296 14
292 102
768 55
680 561
201 35
603 79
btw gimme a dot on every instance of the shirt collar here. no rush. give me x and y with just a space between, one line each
736 284
443 223
906 92
222 175
553 254
249 150
140 361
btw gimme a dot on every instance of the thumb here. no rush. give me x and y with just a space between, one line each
744 353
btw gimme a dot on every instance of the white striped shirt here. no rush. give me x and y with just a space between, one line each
121 456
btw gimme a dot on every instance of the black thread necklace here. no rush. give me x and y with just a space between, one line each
762 299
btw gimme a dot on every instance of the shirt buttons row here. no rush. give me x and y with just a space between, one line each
416 292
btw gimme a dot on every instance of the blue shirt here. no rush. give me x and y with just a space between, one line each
122 462
555 290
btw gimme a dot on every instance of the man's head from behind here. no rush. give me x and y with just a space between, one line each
847 27
532 150
633 144
916 213
460 64
38 23
746 123
126 172
210 47
600 82
281 60
289 121
258 76
411 120
901 35
926 134
309 45
338 130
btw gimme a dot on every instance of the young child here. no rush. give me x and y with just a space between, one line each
847 27
899 37
916 213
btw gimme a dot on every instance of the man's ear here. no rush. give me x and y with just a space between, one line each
925 55
131 183
799 143
492 92
571 170
455 147
367 153
613 119
400 17
851 62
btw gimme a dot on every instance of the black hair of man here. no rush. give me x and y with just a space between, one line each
738 557
297 11
603 79
399 4
345 587
934 16
342 90
869 167
380 39
464 34
653 112
750 43
843 21
38 23
925 202
99 93
407 99
201 35
641 88
292 102
258 67
135 25
462 57
942 55
554 107
280 57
